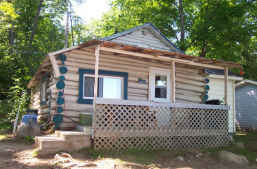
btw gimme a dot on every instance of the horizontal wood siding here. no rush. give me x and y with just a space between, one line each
217 92
246 106
35 98
189 81
142 38
43 110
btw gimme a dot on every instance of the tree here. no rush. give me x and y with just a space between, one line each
221 29
29 31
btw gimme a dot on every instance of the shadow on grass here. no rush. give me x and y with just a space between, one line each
134 155
149 157
249 140
10 138
15 153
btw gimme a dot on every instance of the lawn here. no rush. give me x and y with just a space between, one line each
3 136
250 142
16 152
249 139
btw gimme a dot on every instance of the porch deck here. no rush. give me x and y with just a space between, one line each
130 124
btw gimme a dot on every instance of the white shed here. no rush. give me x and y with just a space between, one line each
216 91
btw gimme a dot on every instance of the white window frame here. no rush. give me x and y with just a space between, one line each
102 76
152 75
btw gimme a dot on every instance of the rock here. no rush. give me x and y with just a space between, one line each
58 158
231 157
199 155
30 129
87 165
180 158
65 155
240 145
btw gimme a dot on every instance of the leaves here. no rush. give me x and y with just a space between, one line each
222 29
20 52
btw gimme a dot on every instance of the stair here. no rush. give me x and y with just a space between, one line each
62 141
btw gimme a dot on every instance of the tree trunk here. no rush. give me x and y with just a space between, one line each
35 23
11 38
71 29
204 49
182 22
66 45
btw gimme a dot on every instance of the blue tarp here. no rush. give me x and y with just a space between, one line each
26 118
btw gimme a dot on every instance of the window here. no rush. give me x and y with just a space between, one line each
43 92
111 85
159 85
108 87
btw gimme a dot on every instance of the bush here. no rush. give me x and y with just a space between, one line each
17 100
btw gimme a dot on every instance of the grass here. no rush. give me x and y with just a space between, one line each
3 136
35 153
250 142
133 155
249 139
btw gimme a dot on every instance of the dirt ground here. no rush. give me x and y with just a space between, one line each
19 155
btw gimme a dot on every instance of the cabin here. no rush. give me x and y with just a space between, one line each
216 92
246 104
135 89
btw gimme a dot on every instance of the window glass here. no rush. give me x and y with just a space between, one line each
160 86
43 91
112 88
108 87
89 86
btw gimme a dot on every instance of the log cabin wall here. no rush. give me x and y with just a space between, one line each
189 80
35 100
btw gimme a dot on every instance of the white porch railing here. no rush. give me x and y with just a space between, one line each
145 125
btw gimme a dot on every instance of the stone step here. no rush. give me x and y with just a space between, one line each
62 141
49 142
72 135
76 140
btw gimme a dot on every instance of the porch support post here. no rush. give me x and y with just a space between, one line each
173 83
97 55
226 85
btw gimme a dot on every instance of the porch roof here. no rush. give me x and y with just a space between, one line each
161 55
157 54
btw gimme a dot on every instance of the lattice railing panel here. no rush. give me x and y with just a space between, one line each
159 126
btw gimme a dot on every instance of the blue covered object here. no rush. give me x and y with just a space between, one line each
26 118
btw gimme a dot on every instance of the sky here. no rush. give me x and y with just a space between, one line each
91 9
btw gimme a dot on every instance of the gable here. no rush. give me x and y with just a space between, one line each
144 36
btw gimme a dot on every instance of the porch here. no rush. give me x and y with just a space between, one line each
157 77
146 125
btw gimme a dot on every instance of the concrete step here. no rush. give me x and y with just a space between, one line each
50 144
62 141
75 140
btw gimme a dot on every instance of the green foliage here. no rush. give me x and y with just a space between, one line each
222 29
249 141
29 140
20 55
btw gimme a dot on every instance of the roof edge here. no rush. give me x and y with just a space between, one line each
230 77
246 81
